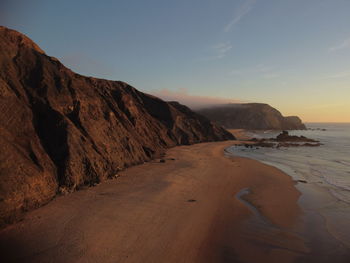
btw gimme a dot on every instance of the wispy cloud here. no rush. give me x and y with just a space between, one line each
222 49
239 14
219 51
340 75
342 45
270 75
262 68
264 71
236 72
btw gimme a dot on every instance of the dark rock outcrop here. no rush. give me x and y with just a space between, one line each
284 139
251 116
60 130
284 136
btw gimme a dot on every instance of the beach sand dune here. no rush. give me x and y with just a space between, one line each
189 208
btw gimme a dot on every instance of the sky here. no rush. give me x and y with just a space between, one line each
291 54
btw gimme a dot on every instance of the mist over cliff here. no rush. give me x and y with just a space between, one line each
195 102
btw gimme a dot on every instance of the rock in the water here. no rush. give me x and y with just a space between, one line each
285 137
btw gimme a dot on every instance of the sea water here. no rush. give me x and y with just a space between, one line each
322 173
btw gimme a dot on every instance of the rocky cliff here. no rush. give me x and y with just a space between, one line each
253 116
60 130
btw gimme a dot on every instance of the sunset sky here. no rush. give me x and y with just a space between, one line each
291 54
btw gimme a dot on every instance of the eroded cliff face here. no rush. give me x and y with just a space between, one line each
251 116
61 130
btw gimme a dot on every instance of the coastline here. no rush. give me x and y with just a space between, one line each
324 221
181 210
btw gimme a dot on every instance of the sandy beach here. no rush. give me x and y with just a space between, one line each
240 134
197 206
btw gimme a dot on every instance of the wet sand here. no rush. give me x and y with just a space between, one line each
324 222
190 209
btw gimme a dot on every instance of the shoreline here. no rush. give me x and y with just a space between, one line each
181 209
314 227
324 221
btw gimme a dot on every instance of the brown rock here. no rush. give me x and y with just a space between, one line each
285 137
60 130
251 116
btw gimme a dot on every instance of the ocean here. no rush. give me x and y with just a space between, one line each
322 175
